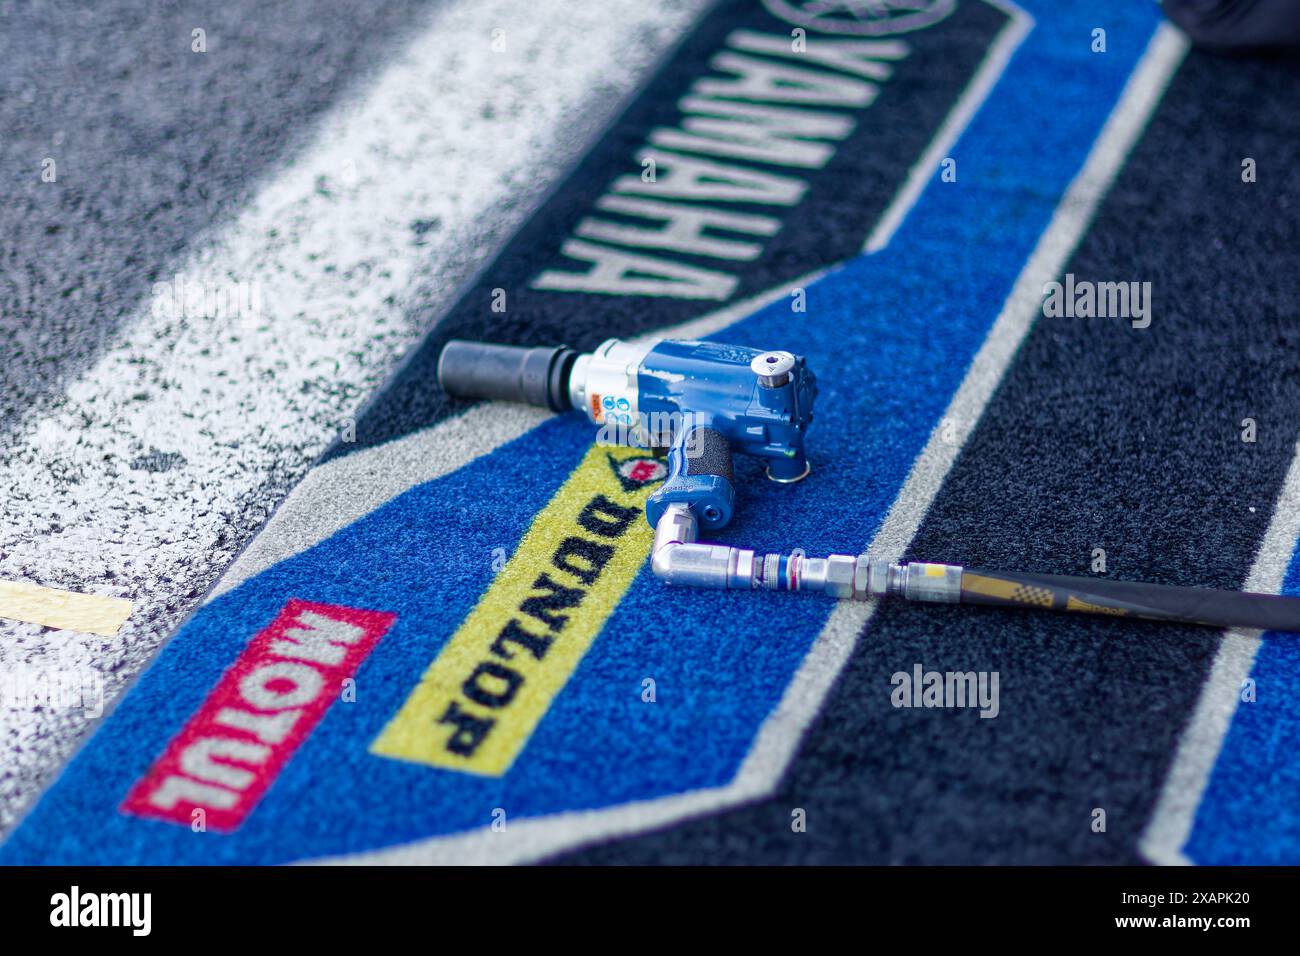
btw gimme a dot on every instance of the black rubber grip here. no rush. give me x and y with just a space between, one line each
1269 612
708 452
507 373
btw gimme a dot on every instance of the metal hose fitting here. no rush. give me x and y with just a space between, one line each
678 558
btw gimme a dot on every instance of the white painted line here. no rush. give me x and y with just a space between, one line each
779 737
1202 740
968 104
164 456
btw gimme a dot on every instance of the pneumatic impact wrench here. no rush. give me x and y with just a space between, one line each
702 401
698 400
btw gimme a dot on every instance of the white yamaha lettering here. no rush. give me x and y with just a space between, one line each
761 106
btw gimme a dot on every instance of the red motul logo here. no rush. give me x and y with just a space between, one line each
260 712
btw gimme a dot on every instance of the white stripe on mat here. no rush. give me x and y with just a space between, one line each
454 133
1198 750
777 740
972 98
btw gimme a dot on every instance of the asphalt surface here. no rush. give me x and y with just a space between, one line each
153 145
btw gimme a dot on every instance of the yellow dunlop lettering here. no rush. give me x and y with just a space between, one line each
1073 603
484 695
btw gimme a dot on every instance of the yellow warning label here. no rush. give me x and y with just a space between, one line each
484 695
